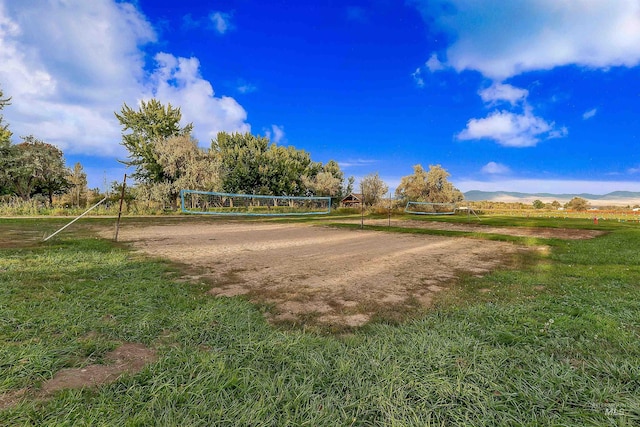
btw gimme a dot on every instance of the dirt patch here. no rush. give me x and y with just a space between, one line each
541 232
128 358
325 274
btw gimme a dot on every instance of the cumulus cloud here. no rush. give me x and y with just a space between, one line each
433 64
589 114
494 168
511 129
65 64
503 39
417 77
275 134
498 92
245 87
69 65
221 21
178 81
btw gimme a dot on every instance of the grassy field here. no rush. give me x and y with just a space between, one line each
555 342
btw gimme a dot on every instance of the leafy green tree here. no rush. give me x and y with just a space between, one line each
5 133
5 147
251 165
187 165
325 184
37 168
555 205
577 204
78 186
286 171
329 182
240 157
348 189
431 186
373 189
538 204
150 123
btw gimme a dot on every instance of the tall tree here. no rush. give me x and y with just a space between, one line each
329 181
150 123
38 168
373 189
5 133
187 165
251 165
431 186
78 186
577 204
240 156
6 150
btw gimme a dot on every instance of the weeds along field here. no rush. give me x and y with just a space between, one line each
94 333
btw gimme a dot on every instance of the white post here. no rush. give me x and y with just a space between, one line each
85 212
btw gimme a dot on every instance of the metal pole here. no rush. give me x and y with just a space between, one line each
389 208
361 207
124 184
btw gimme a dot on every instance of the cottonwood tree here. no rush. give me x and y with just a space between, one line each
538 204
142 129
5 146
373 189
577 204
431 186
252 165
78 186
187 166
240 157
5 133
37 168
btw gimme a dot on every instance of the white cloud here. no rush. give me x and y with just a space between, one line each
221 21
178 81
494 168
501 39
245 87
354 163
434 64
503 92
589 114
633 171
511 129
69 65
417 77
275 134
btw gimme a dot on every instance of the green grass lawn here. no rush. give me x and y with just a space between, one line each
556 342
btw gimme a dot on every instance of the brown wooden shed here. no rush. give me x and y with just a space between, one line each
353 200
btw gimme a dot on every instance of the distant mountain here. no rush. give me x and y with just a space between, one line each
616 197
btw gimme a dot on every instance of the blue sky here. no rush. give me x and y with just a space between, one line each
527 95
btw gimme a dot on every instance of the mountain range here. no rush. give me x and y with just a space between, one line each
614 198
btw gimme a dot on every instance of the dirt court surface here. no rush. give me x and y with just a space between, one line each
333 276
544 233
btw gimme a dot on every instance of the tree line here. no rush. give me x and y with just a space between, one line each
166 157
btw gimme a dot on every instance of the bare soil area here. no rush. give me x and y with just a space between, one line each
127 358
541 232
331 276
